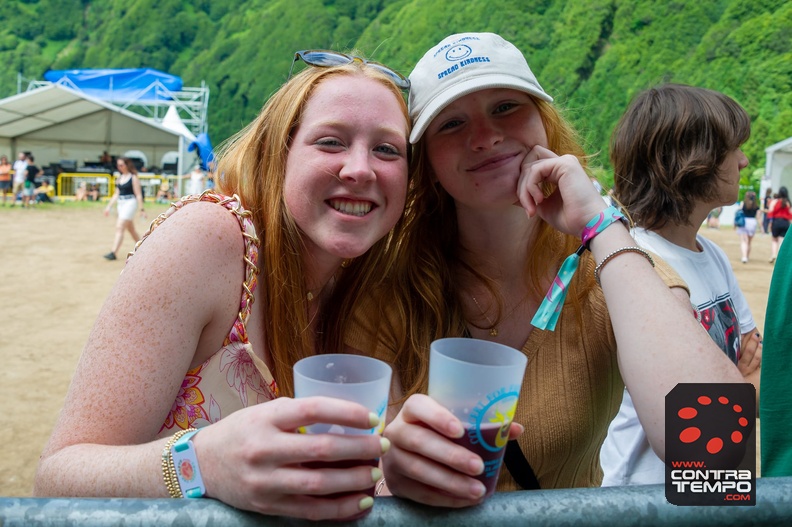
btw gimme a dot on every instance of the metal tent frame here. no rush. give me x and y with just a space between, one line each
192 103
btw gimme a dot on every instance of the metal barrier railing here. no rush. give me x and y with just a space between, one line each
607 507
67 183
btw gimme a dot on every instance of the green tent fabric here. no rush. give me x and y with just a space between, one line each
775 402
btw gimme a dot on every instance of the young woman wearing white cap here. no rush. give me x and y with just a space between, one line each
500 199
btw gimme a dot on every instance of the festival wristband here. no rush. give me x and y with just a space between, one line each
547 315
550 309
599 223
186 464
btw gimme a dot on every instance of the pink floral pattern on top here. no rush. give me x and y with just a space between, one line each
234 377
242 374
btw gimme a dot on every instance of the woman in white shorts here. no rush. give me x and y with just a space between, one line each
749 207
197 180
129 197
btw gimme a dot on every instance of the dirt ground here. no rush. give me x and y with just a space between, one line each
54 281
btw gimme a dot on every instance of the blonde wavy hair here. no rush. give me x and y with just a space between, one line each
252 164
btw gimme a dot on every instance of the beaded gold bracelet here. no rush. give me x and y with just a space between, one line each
168 469
618 252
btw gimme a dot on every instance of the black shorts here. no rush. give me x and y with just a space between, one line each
780 227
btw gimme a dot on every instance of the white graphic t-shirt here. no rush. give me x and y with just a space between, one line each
626 456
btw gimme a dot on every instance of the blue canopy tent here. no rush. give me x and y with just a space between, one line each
205 152
74 114
119 85
58 123
144 88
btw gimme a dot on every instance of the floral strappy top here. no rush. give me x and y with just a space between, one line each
234 377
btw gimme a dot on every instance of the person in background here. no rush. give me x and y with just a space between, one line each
318 178
45 192
5 178
768 197
197 177
94 192
676 155
29 190
750 207
713 218
775 406
81 194
499 201
106 160
129 196
20 166
780 216
164 193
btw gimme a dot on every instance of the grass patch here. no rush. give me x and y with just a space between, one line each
152 208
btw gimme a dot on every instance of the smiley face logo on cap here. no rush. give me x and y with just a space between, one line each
458 52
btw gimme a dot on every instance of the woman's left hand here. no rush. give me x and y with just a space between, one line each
750 358
573 200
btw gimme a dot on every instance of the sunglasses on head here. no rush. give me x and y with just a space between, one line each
323 58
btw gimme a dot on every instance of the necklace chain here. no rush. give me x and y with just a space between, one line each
493 328
493 331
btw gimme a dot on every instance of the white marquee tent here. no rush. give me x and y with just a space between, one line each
778 167
57 123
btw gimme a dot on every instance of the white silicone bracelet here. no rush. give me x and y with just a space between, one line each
186 464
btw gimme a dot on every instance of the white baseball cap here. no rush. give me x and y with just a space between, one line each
461 64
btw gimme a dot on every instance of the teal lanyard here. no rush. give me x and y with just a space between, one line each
549 310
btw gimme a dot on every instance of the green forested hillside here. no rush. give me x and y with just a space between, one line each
591 55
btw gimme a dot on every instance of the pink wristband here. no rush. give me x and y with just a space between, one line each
599 223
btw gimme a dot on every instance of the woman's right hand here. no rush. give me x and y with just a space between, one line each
254 459
424 463
574 200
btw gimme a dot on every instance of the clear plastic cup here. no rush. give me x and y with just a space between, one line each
479 382
354 378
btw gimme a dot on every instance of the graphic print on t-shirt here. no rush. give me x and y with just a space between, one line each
720 320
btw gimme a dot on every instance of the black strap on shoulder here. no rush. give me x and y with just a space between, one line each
518 466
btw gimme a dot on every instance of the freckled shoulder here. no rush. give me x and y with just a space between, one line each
199 231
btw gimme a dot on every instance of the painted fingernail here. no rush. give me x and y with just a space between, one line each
385 444
376 474
373 419
366 503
